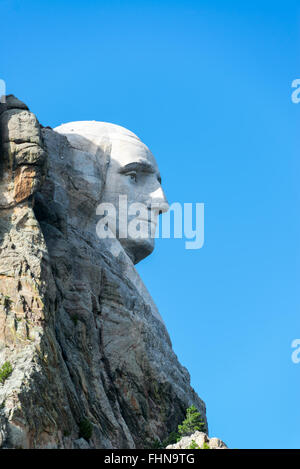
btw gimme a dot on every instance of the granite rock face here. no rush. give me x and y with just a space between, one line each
92 362
201 440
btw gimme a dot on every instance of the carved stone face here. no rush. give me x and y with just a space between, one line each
132 172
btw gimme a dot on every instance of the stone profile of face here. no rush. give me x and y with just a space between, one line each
129 170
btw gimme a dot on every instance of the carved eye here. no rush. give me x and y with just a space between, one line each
133 176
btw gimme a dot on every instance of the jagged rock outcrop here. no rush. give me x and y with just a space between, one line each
198 440
92 362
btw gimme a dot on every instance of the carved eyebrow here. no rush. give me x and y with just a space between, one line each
137 166
142 166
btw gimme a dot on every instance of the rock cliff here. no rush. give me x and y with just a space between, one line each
92 364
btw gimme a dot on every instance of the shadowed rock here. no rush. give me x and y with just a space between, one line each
77 324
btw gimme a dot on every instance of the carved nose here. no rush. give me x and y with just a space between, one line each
159 201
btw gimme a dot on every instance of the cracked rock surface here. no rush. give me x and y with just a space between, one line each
77 325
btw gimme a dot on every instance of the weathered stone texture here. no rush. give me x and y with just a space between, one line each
77 324
201 440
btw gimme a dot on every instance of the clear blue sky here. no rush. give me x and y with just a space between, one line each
207 85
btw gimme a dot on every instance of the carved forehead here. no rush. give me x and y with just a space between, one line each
124 152
123 145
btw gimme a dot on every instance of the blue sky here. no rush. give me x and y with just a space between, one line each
207 85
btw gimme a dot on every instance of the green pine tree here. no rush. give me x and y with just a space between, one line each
192 423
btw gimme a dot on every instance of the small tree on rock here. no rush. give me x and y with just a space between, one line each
192 423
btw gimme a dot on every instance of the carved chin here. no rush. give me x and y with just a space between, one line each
138 249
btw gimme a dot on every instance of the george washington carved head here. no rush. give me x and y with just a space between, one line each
123 175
